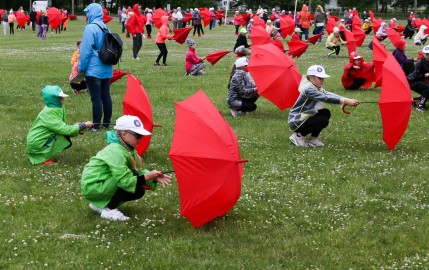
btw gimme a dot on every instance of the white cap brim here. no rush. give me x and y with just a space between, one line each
61 94
141 131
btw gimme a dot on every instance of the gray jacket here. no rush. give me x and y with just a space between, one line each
309 102
240 87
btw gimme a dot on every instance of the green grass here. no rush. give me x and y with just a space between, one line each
350 205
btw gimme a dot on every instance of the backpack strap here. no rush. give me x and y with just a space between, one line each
102 29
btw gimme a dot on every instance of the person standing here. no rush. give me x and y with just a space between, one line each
135 26
97 73
4 21
196 22
11 19
179 17
33 19
160 41
149 22
320 20
304 21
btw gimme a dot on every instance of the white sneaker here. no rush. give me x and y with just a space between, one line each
234 112
315 142
298 140
113 214
95 208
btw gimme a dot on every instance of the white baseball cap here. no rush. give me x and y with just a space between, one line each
425 49
61 94
318 71
297 30
241 62
336 30
132 123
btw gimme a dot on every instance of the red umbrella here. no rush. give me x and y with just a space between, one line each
395 102
206 159
136 102
259 36
216 56
400 28
244 18
336 19
188 17
219 14
371 15
276 75
287 26
359 35
20 18
180 34
64 19
157 14
258 21
297 48
376 24
2 11
205 15
356 21
394 36
38 14
117 74
351 42
54 17
315 38
72 17
107 18
379 56
330 26
418 22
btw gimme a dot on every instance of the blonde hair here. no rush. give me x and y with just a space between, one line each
319 8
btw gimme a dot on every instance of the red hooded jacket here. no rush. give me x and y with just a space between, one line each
136 22
365 70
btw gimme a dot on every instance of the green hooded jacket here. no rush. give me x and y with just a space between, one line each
47 135
108 171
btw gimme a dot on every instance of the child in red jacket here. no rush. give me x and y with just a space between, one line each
193 64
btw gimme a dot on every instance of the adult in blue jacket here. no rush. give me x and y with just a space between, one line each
97 73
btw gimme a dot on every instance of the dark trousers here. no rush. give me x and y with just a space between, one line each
199 29
315 124
236 29
148 29
420 87
408 68
99 89
33 26
163 53
248 104
336 48
137 44
357 83
125 196
11 30
78 86
304 32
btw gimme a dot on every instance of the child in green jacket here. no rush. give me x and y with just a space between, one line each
115 175
49 133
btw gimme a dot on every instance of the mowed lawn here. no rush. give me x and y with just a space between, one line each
349 205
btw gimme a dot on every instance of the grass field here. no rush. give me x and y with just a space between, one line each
349 205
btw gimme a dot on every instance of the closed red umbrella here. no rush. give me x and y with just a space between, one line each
206 160
117 74
276 76
313 39
259 36
379 56
287 26
136 102
297 48
213 57
54 17
205 15
258 21
20 18
351 42
181 34
157 14
359 35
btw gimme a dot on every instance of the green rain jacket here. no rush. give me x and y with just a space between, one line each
47 135
108 171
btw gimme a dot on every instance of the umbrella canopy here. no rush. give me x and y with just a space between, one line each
206 159
336 19
54 17
117 74
313 39
106 18
259 36
400 28
213 57
136 102
359 35
244 19
351 42
157 14
180 34
20 18
205 15
379 56
258 21
297 48
188 17
394 36
2 11
276 75
376 24
356 21
330 25
72 17
395 102
287 26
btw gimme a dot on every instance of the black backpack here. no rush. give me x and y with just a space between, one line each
111 50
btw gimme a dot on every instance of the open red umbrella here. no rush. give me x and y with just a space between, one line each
188 17
418 22
359 35
330 25
276 75
106 18
205 15
287 26
259 36
258 21
206 159
20 18
213 57
181 34
336 19
136 102
244 19
379 56
313 39
157 14
356 21
351 42
376 24
2 11
117 74
400 28
394 36
72 17
395 102
54 17
297 48
371 15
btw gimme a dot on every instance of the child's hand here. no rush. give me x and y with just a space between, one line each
159 176
350 102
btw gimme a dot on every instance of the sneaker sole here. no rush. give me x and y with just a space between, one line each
95 208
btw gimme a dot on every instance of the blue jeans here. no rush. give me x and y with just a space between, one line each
99 89
304 32
318 30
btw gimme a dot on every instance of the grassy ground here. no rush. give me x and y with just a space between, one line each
349 205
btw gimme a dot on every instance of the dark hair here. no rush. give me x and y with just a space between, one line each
78 43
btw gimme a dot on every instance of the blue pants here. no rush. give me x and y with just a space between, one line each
304 32
318 30
99 89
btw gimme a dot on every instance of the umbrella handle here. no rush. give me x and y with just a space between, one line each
242 160
157 125
343 108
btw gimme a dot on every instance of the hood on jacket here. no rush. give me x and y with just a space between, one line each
304 8
94 11
353 56
401 44
164 20
304 84
51 96
136 9
111 136
422 28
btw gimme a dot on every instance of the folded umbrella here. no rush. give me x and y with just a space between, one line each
297 48
287 26
157 14
181 34
213 57
275 74
206 159
315 38
259 36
